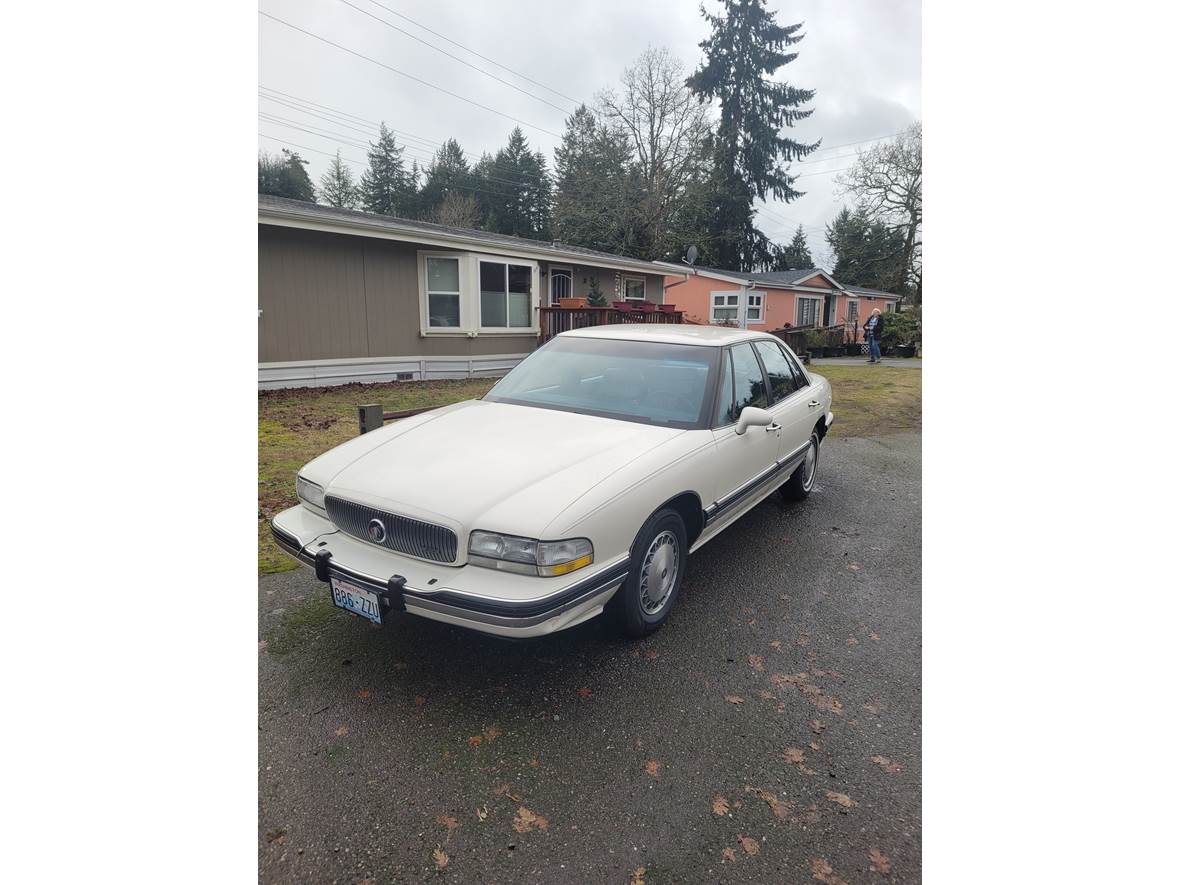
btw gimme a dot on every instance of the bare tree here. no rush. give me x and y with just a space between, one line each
887 183
457 210
667 126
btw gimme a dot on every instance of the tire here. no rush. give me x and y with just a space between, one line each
662 543
802 481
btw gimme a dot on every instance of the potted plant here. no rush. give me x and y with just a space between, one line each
814 339
596 296
899 332
622 305
569 303
851 348
667 308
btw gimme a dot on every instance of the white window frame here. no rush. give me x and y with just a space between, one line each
424 288
631 278
736 307
469 297
761 296
852 303
533 287
818 302
554 271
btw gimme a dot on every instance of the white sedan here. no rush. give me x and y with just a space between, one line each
580 482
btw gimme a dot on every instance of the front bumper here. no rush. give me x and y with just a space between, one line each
501 603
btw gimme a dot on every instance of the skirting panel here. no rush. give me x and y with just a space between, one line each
324 373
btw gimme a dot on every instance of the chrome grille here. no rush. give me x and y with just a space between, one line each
402 534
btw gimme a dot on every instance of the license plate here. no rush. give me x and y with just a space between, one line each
355 599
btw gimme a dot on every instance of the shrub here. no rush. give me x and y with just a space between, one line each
900 329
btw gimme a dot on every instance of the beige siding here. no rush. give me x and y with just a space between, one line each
608 280
331 296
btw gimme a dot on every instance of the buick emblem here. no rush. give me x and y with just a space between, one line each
376 531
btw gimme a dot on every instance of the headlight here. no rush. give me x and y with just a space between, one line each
309 493
526 556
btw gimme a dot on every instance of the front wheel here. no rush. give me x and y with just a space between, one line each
800 484
659 558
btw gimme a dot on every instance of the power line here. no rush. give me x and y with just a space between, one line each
408 76
476 54
455 57
367 130
832 147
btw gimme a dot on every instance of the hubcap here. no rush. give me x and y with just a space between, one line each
809 463
661 565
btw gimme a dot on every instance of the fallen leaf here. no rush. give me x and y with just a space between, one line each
880 862
755 661
814 745
854 566
734 699
482 812
419 700
276 835
652 767
817 726
525 820
363 693
728 854
888 764
506 790
475 740
720 805
766 695
873 708
447 821
491 733
585 692
803 639
637 876
822 870
440 858
841 799
793 755
874 637
342 731
776 643
262 644
852 640
779 808
534 762
750 846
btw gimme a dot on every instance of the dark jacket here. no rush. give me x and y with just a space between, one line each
876 331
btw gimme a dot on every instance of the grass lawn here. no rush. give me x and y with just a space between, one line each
296 425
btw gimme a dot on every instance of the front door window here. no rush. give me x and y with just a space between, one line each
561 285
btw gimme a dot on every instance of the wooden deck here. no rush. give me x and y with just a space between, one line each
555 320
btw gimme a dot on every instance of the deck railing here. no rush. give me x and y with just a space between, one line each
555 320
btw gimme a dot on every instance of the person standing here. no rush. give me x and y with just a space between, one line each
873 335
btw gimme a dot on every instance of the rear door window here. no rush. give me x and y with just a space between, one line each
782 380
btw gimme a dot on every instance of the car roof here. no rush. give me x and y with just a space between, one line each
668 333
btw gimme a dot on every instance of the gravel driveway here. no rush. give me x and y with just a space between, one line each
770 732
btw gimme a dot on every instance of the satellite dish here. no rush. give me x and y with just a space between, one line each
690 256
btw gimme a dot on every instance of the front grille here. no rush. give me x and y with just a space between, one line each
402 534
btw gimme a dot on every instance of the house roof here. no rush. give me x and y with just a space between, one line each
861 290
782 278
297 213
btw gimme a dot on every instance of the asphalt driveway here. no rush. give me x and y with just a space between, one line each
771 732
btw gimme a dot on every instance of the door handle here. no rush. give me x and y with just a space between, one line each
813 404
773 427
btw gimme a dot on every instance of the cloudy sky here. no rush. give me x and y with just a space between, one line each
863 57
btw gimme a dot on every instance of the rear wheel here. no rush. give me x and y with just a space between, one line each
802 480
659 558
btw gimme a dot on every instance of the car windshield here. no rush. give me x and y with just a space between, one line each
652 383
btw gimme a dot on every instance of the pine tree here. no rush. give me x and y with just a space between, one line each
447 178
742 53
338 187
867 253
285 176
796 255
386 187
516 190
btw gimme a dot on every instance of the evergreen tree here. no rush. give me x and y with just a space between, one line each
596 189
744 50
338 187
795 255
284 176
867 253
516 190
386 187
448 177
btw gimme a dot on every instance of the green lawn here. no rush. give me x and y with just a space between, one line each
296 425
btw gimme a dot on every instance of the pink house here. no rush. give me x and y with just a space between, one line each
804 298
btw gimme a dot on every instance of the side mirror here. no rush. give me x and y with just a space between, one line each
752 416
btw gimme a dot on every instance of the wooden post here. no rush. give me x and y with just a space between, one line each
370 417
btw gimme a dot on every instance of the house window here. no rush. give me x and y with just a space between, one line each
754 307
634 289
890 307
805 311
561 285
724 307
442 292
505 295
853 311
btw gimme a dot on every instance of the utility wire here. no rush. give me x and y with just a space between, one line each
477 55
564 111
367 130
408 76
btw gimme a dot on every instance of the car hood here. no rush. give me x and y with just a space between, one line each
487 465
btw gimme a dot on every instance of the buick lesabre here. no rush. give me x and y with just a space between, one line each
580 483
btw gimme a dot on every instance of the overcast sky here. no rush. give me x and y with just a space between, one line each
863 58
